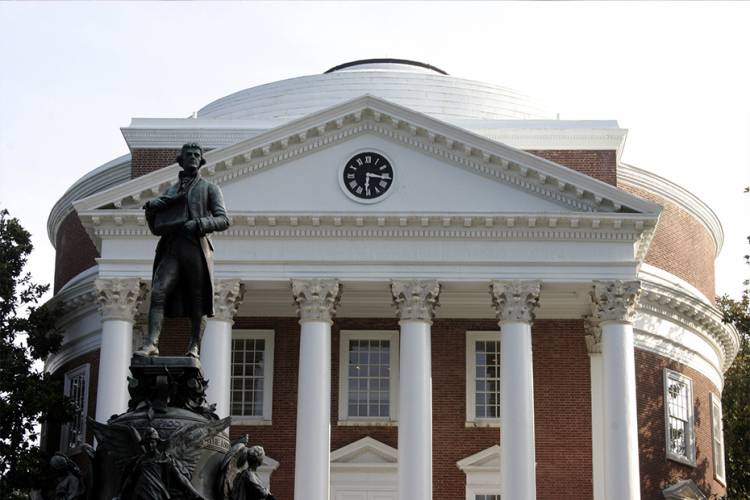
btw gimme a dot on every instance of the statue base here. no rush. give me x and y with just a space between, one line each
167 394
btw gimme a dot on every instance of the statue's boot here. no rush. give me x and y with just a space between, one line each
199 326
155 320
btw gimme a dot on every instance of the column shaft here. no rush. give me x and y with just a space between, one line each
114 361
316 300
597 424
415 412
620 415
518 452
312 461
216 360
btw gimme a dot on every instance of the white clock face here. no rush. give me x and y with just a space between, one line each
367 177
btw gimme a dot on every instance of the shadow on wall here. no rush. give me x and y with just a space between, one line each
657 472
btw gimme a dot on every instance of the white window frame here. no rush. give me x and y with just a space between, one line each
344 337
690 438
472 337
84 370
268 336
716 407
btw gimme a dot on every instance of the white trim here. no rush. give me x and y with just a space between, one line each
112 173
471 338
689 459
649 181
268 360
716 406
344 337
482 471
368 114
84 370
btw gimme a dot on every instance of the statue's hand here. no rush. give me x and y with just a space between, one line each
191 227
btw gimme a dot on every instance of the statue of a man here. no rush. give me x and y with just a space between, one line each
182 283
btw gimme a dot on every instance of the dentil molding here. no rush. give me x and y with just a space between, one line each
316 299
416 300
515 300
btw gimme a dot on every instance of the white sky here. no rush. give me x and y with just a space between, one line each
676 75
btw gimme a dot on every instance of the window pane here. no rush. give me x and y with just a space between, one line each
248 373
487 381
369 378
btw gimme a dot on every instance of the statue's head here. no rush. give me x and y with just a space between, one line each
149 439
253 456
191 157
59 463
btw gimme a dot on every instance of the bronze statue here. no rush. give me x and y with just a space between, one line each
69 483
154 468
238 477
182 283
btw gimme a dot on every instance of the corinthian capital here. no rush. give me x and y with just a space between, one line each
228 295
515 300
416 300
593 330
316 299
615 300
119 298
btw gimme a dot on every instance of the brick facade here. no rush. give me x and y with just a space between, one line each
656 471
599 164
144 161
681 244
75 250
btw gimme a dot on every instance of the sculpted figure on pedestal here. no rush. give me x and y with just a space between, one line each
239 479
154 468
182 284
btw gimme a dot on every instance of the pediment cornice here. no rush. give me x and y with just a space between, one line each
368 114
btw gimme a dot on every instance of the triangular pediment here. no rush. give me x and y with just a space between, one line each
365 451
373 117
487 459
449 183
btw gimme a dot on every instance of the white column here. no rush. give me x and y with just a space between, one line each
316 300
613 305
118 300
216 346
515 303
594 346
416 302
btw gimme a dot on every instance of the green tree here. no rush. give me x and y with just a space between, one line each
27 396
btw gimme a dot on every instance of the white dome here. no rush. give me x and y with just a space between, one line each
412 84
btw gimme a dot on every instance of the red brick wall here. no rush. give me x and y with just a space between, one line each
656 471
562 471
75 252
681 244
600 164
144 161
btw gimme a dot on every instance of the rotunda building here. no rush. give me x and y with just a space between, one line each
430 288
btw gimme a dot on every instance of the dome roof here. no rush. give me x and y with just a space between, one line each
416 85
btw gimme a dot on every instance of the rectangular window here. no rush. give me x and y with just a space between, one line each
252 375
368 376
678 405
717 433
77 389
483 378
